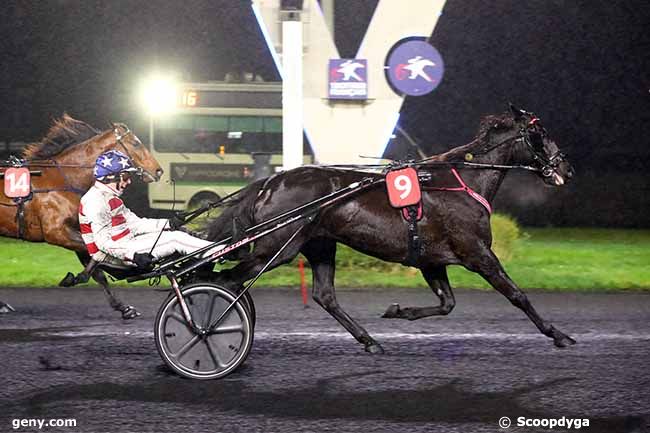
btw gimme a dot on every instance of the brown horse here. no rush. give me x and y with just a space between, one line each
65 157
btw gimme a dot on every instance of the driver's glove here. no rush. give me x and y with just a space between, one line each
143 260
175 223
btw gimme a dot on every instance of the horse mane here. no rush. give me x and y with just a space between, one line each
488 125
63 134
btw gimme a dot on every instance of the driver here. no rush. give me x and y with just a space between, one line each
111 231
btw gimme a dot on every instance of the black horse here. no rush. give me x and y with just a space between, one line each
454 229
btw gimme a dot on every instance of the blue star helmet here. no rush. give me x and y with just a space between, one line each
109 165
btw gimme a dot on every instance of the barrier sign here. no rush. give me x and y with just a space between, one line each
17 182
348 79
403 187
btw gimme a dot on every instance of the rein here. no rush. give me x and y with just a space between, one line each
428 162
548 165
523 135
42 164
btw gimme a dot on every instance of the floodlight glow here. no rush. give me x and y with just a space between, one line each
158 95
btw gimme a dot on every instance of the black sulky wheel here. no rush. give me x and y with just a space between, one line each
204 353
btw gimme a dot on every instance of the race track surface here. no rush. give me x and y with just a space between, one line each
65 355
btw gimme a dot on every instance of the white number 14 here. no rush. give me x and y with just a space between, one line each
17 185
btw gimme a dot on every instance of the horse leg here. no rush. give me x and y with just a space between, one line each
128 311
6 308
321 255
71 239
436 277
489 267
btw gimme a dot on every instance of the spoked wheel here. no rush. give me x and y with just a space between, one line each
209 351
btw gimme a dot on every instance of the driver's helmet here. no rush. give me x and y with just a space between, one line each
109 165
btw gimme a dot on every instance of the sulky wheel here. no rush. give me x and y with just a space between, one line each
204 352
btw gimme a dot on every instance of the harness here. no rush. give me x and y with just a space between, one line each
412 212
464 187
414 242
118 139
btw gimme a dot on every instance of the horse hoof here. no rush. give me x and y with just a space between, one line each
374 348
129 312
564 341
6 308
392 312
68 280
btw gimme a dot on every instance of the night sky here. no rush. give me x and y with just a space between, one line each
583 66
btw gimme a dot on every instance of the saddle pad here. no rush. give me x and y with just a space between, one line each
403 187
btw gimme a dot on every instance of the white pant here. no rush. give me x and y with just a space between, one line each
169 243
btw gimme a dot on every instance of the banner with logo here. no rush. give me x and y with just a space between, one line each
348 79
414 67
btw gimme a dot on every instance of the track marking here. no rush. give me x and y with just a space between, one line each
270 335
449 336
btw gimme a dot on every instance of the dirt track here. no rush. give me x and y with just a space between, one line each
64 354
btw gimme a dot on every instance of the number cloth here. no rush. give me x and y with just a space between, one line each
17 182
403 187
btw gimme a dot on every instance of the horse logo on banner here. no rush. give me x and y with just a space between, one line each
348 79
414 67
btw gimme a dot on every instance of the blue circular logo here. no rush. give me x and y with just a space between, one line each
414 67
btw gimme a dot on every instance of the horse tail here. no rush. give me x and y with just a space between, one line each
240 207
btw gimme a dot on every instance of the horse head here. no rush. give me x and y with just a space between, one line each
539 150
127 142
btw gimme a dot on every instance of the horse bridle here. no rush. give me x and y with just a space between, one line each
549 165
119 136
